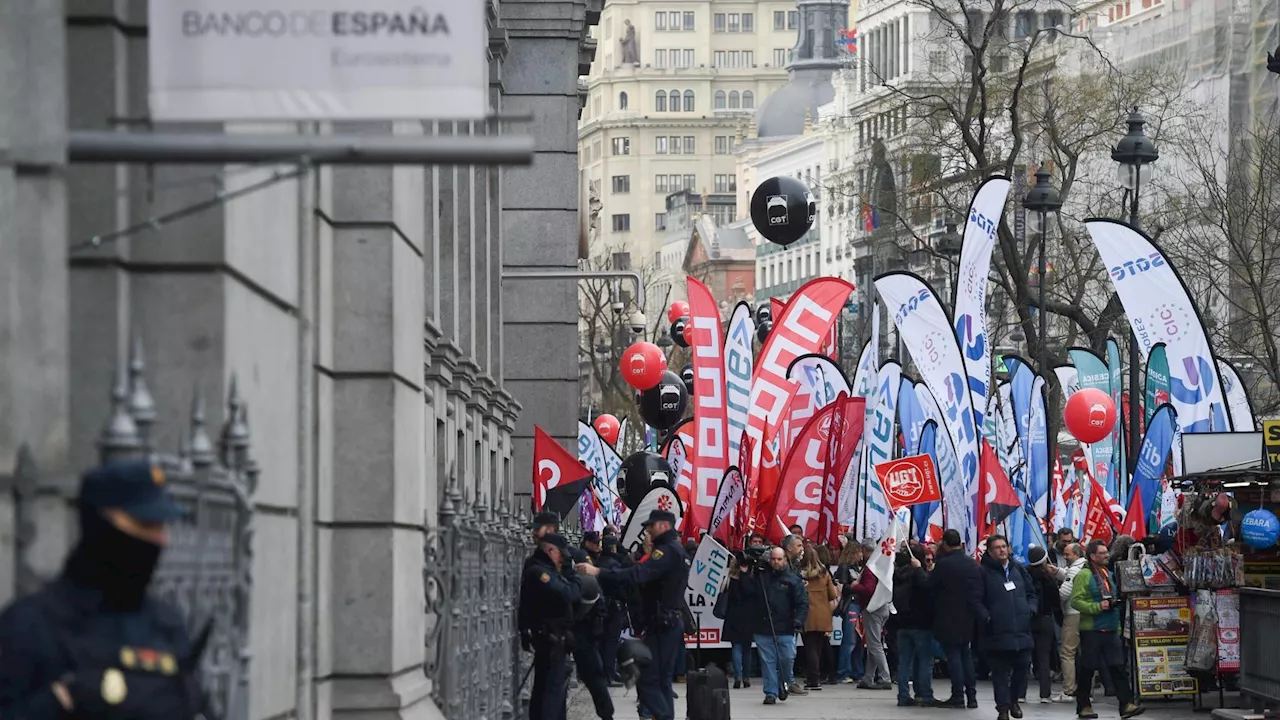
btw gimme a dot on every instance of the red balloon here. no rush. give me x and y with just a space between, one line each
688 334
608 427
1090 415
642 365
677 310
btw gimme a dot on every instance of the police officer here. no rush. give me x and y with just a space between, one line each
662 577
543 523
588 635
616 616
93 643
591 543
545 620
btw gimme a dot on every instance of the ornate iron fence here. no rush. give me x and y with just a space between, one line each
474 558
206 570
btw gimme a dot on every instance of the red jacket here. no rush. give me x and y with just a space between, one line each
865 587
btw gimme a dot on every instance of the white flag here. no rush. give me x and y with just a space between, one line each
882 564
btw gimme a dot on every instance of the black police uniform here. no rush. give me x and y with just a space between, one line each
663 577
119 652
616 612
545 619
588 633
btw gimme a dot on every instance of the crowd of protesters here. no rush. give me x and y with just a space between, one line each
1051 625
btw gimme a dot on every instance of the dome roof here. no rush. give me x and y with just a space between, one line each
782 114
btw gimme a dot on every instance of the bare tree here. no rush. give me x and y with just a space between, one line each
604 332
1007 88
1223 220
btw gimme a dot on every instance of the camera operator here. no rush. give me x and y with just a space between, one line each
1094 595
733 606
779 607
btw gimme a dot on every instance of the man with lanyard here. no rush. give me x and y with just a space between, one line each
663 577
545 618
1093 595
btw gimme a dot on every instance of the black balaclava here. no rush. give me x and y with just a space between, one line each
112 561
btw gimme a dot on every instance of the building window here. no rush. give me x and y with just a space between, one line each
717 58
779 20
660 145
720 100
748 58
674 183
622 223
1053 18
793 19
660 101
735 58
1024 24
622 101
622 146
726 183
660 221
688 21
748 99
673 21
718 23
674 146
735 22
659 21
659 58
688 101
686 59
622 184
689 146
734 101
748 22
674 103
722 144
691 182
660 185
779 57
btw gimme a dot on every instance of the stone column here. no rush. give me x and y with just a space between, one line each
540 220
371 586
34 357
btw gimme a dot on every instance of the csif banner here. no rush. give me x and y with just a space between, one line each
927 333
970 301
1159 309
738 361
710 457
799 329
1238 403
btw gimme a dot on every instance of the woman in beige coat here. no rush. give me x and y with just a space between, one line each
823 598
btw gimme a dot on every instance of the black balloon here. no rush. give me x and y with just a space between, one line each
783 209
639 472
677 331
686 374
663 405
763 329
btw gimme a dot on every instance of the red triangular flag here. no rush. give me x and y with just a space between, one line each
1134 524
1000 498
558 477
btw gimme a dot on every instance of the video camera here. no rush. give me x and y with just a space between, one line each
754 557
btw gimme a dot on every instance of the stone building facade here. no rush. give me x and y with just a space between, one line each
362 312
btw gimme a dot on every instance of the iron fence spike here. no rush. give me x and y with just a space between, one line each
120 437
202 451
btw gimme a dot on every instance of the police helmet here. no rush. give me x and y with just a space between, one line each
633 655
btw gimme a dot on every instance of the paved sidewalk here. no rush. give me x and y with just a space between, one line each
846 702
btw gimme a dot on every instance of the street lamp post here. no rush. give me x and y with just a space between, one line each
1134 154
949 244
1044 201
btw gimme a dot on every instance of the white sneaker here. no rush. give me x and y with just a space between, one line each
1062 698
1045 701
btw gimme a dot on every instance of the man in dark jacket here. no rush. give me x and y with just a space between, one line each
781 606
957 578
1008 602
915 617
